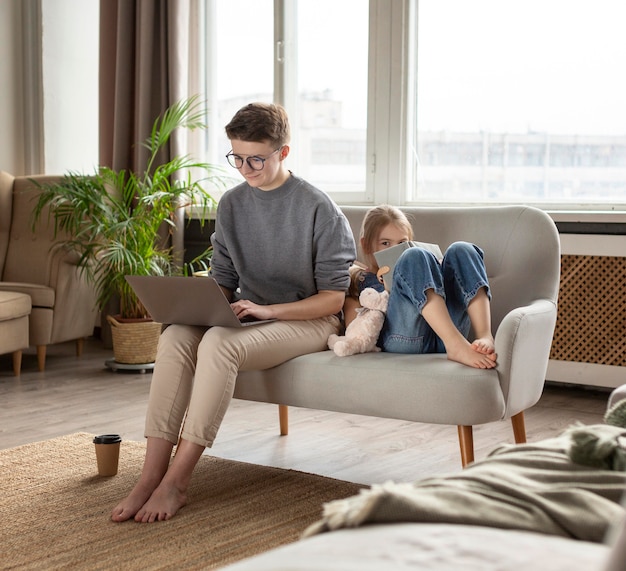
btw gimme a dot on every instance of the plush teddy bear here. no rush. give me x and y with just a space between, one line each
362 333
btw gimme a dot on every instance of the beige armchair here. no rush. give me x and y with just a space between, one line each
63 303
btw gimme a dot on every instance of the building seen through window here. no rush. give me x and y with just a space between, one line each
534 167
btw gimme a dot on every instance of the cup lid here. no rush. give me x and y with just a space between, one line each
107 439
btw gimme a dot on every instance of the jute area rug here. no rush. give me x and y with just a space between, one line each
54 510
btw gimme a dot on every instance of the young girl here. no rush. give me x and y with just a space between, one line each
431 305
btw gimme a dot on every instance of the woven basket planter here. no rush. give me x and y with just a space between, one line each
134 342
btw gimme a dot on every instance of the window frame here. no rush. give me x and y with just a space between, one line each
391 88
391 140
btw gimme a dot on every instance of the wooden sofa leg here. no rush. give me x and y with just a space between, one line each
283 419
17 363
80 344
519 428
466 442
41 357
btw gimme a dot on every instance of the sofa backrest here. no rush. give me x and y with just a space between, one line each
6 208
521 245
30 257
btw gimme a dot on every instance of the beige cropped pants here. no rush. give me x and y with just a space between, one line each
196 368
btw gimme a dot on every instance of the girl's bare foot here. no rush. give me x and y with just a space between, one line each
132 503
163 504
466 354
484 345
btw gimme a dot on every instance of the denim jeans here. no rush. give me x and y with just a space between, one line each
458 279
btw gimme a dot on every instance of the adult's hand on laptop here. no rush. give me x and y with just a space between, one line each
321 304
245 308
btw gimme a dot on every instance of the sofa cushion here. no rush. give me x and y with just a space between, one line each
430 547
13 305
370 384
40 295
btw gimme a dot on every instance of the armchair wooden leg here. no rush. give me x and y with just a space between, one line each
17 363
519 428
41 357
80 344
466 442
283 419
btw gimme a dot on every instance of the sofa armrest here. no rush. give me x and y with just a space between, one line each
61 264
523 342
75 305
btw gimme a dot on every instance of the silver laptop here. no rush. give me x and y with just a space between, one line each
186 301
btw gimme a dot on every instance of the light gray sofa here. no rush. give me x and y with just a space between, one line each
557 515
438 547
63 303
522 256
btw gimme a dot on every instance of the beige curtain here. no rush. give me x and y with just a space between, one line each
144 58
145 51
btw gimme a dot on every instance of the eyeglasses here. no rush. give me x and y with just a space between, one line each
254 162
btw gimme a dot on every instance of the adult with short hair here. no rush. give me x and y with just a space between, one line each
282 249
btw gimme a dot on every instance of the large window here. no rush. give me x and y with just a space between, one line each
435 101
322 65
521 101
331 50
240 61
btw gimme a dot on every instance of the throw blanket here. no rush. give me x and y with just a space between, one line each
533 487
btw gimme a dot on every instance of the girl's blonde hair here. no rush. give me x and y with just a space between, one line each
375 220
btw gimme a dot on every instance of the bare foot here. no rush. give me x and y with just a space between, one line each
163 504
467 354
484 345
132 503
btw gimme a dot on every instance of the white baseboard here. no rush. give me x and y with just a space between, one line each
589 374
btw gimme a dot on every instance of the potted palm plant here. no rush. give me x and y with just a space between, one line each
119 221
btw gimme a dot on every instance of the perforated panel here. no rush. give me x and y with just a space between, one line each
591 322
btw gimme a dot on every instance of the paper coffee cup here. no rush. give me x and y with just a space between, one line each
107 453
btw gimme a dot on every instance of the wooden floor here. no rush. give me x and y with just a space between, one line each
82 395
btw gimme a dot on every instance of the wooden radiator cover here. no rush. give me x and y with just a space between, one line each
591 319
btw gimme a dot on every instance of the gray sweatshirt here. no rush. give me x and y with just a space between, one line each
281 245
